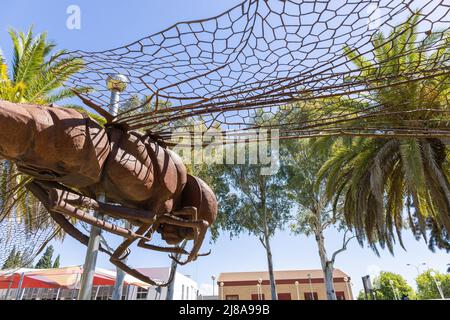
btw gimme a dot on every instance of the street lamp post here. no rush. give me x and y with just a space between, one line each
391 282
438 284
347 286
213 278
351 290
298 292
310 287
221 290
416 266
117 84
259 289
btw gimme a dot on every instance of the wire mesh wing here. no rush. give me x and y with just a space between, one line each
25 225
19 244
316 61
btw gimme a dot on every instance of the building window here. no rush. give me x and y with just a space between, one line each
256 296
340 295
182 292
284 296
311 296
125 291
232 297
46 294
55 293
141 294
103 292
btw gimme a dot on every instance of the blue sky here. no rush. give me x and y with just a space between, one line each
108 24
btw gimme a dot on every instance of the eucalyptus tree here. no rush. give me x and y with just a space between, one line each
252 203
314 214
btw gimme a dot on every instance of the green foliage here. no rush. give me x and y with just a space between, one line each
250 202
45 262
391 286
361 295
300 170
14 260
376 178
36 75
427 288
56 263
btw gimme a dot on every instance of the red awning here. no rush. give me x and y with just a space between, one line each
68 277
13 281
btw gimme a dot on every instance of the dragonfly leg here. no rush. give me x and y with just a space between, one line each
189 212
117 260
199 226
60 219
60 201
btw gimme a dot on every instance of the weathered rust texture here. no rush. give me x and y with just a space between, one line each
71 158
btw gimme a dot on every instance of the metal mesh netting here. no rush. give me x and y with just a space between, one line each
20 243
261 55
25 225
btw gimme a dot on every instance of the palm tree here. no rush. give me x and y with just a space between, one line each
378 177
36 76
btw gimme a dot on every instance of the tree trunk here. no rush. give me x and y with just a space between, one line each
327 265
273 287
328 275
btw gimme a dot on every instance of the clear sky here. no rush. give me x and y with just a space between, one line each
108 24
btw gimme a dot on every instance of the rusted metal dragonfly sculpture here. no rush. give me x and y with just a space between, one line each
273 58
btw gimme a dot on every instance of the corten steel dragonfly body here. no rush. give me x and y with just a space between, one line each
71 159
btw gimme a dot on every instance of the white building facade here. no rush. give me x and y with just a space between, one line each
184 288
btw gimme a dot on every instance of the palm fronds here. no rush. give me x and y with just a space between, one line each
387 182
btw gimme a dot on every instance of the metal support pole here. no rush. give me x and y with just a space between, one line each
96 292
118 285
87 278
441 293
114 104
213 278
173 274
438 284
310 287
221 290
120 277
116 84
19 287
9 287
391 282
